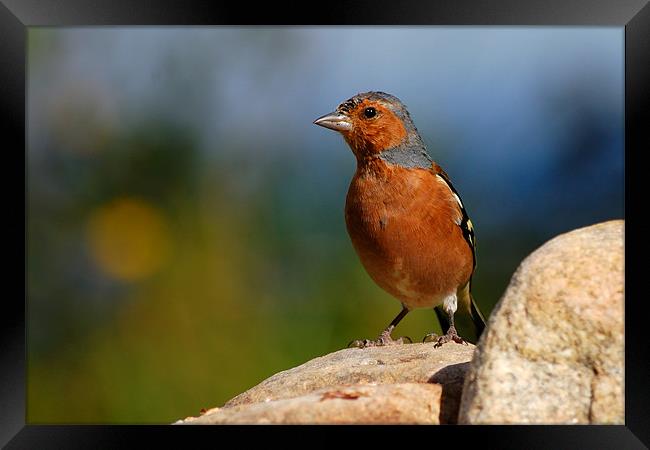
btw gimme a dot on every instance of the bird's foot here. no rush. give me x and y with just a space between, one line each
431 337
450 336
383 340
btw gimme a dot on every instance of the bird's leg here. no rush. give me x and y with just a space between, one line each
385 336
449 305
450 335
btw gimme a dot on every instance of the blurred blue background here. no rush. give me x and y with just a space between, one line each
185 224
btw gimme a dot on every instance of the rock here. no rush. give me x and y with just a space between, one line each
402 403
553 349
411 383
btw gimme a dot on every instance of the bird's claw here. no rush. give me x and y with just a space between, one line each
447 338
450 336
381 341
431 337
359 343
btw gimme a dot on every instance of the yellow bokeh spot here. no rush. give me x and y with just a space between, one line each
128 239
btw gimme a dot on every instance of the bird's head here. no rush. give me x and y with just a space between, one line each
373 122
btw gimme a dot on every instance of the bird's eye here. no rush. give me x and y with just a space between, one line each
370 112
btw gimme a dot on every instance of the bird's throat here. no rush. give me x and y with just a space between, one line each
409 157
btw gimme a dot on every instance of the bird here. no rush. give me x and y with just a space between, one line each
407 222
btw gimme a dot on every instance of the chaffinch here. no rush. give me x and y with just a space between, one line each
406 220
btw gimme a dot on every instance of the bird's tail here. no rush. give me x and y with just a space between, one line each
477 317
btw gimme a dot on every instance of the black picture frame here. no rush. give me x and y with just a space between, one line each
17 15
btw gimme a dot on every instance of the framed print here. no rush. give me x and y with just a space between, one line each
218 201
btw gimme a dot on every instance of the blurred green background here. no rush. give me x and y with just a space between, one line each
185 229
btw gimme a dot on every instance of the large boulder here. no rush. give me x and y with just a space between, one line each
411 383
553 350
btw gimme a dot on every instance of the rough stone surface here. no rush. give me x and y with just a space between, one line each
553 350
403 403
411 383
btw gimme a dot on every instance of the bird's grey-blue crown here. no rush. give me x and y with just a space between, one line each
410 153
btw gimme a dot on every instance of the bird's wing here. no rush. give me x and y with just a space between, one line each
471 324
465 222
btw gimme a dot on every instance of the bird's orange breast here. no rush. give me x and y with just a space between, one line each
402 225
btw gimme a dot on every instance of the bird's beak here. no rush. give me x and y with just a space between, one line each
335 121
